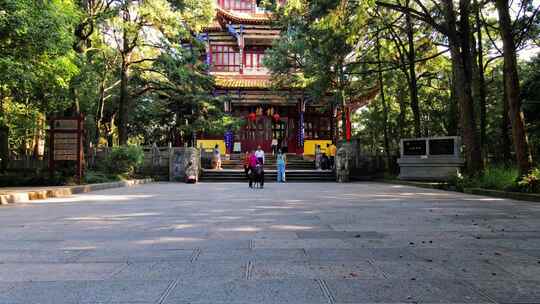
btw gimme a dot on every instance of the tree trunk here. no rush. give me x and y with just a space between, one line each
506 143
100 110
453 109
460 55
519 134
481 81
342 102
123 102
122 105
384 104
4 147
413 85
402 110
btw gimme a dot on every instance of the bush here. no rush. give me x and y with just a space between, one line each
498 178
495 178
459 182
124 159
530 183
31 180
95 177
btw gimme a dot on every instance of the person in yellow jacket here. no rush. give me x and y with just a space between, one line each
332 150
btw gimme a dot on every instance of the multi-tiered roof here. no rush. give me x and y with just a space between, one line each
238 38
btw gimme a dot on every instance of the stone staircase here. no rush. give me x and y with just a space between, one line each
298 170
294 162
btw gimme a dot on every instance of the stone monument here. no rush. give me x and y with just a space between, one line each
343 163
430 159
184 165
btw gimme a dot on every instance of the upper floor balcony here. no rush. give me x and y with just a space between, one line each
229 59
245 6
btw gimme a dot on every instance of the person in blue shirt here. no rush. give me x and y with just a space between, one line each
281 161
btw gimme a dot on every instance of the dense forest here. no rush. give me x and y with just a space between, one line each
442 68
135 69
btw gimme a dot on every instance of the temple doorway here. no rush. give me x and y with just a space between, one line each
264 125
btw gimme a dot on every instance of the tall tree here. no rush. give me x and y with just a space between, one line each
413 85
519 135
458 33
317 50
139 32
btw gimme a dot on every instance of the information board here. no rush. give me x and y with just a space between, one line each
441 146
66 146
66 143
414 147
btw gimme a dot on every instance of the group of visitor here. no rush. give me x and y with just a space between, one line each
324 161
254 162
256 159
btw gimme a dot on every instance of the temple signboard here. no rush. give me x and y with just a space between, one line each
66 143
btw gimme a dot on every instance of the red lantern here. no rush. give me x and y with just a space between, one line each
252 117
276 117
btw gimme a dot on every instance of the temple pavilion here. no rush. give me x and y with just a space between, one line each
235 48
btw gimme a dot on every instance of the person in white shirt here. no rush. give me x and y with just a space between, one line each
260 155
274 146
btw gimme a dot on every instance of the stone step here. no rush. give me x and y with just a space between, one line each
270 176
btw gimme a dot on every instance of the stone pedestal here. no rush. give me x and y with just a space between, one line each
184 165
430 159
343 163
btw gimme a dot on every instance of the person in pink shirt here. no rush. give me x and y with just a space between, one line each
252 166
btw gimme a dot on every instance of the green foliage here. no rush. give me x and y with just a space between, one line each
37 64
124 159
181 99
501 178
530 183
497 178
96 177
531 102
315 50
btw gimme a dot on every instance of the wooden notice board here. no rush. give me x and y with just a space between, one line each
66 143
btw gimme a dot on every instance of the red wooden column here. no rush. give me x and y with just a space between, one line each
349 125
301 122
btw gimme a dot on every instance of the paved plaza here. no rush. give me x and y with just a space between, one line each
289 243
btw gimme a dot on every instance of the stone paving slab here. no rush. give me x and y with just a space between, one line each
322 270
53 272
254 255
133 256
509 291
403 291
85 292
39 256
413 270
291 243
360 254
301 243
183 271
256 291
